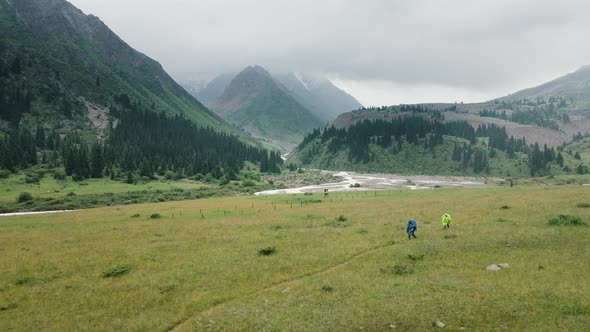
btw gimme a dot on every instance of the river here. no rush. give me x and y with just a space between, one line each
383 182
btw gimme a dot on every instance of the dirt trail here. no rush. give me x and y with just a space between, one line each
322 271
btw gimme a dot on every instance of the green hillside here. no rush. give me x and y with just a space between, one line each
425 144
77 101
255 102
54 59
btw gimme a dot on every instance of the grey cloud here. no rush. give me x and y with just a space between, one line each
461 43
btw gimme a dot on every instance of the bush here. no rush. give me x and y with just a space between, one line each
197 177
249 183
566 220
415 257
504 207
327 288
32 178
137 215
59 174
341 218
24 281
24 197
583 205
397 269
155 216
117 271
4 173
77 177
267 251
223 181
167 287
169 175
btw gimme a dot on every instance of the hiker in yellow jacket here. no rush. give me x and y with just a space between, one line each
446 220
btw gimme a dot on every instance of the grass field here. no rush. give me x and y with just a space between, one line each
197 266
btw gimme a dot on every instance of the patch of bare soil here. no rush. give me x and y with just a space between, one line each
532 134
99 118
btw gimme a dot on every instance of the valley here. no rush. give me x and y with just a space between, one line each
241 185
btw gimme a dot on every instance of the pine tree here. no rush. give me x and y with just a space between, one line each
96 161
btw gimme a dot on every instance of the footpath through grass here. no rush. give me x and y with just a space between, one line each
195 265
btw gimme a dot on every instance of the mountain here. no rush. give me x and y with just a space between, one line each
77 101
574 85
66 65
209 92
254 101
318 94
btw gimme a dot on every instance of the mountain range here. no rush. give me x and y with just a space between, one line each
517 135
279 107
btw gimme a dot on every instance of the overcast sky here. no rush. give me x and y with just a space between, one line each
380 51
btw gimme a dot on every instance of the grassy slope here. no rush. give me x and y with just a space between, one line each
51 194
276 115
208 270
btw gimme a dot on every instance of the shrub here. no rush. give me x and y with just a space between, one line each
197 177
77 177
223 181
397 269
4 173
32 178
24 197
566 220
341 218
71 194
137 215
155 216
583 205
169 175
327 288
117 271
504 207
24 280
248 183
167 287
415 257
267 251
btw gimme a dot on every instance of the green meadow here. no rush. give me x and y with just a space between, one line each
341 262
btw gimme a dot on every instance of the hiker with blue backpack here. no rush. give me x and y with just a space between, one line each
412 227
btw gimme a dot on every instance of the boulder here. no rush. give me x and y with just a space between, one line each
493 267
